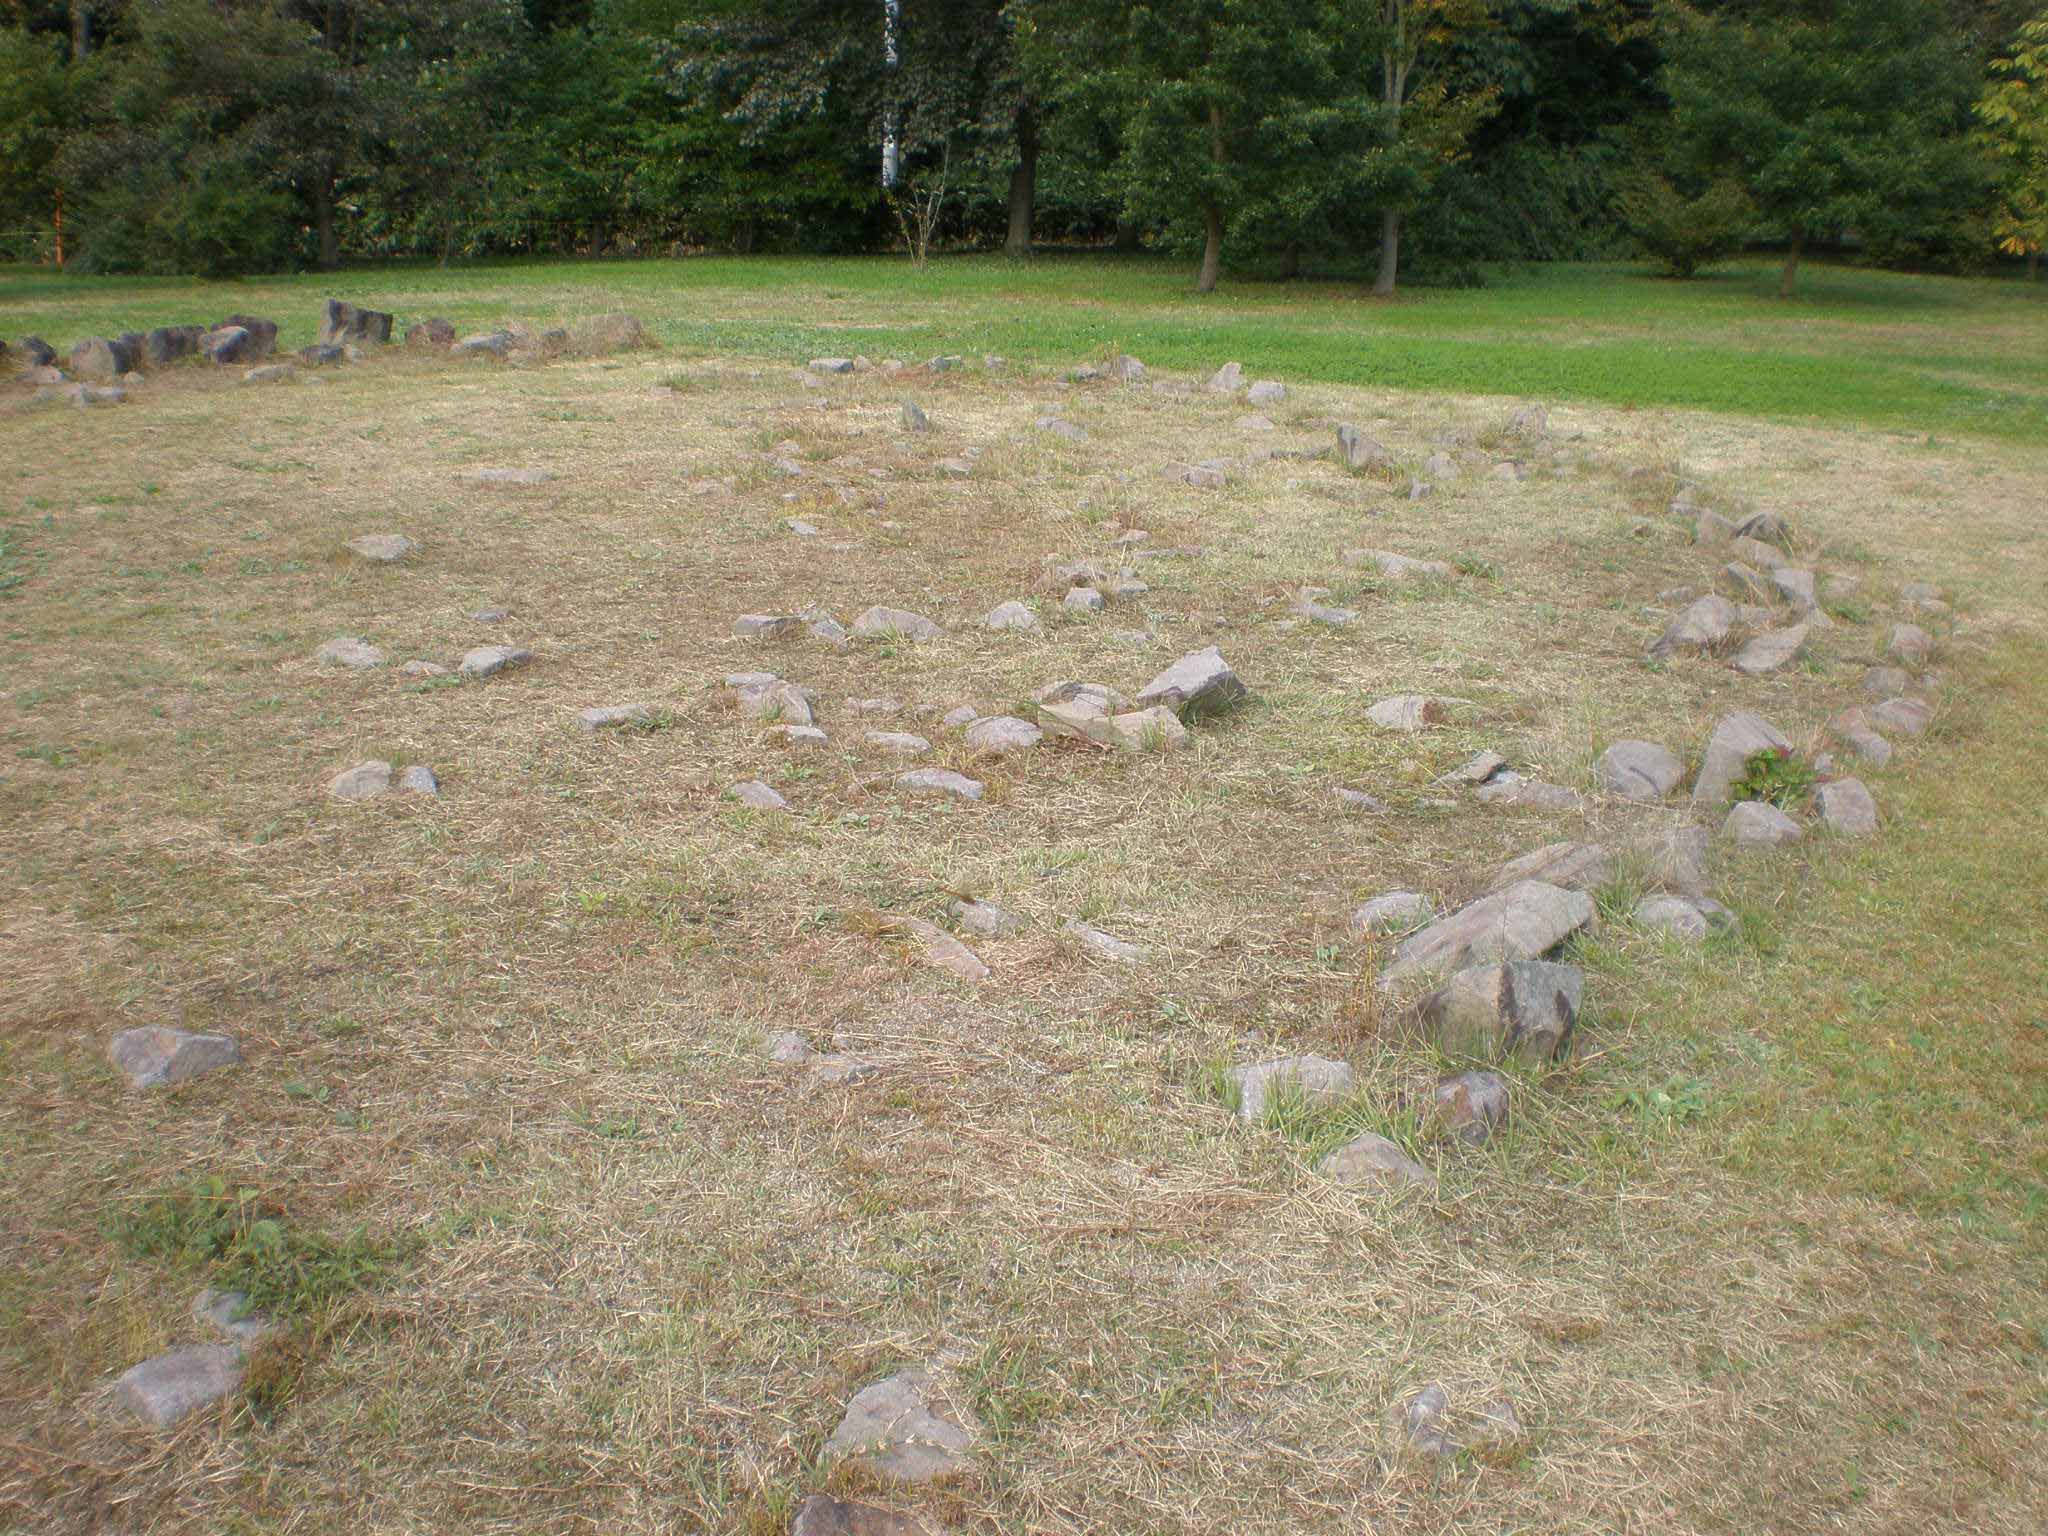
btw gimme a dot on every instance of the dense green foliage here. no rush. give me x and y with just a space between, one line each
1278 136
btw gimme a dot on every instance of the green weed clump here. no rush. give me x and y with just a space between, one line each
1774 776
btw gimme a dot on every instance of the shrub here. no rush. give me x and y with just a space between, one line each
1683 234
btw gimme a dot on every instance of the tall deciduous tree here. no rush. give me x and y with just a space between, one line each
2013 112
1833 114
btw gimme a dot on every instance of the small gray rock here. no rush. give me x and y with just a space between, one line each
382 548
939 781
913 417
362 782
1703 626
1528 794
1887 682
985 919
1420 1423
1199 683
1226 380
830 365
1769 651
902 1428
795 738
1062 428
1399 567
1519 923
879 622
419 780
1904 717
1373 1159
1471 1106
157 1055
170 1387
1000 734
1107 945
349 651
757 796
1359 451
604 717
227 1314
1010 615
1736 739
1391 913
1569 866
766 626
900 743
1909 643
1312 1081
1846 808
489 660
1082 600
1638 770
1689 919
787 1048
1266 392
489 616
1410 712
823 1515
1756 824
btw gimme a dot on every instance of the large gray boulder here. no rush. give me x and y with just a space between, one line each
1519 923
157 1055
903 1428
1525 1008
343 324
1736 739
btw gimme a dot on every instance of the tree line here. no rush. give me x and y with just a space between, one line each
1395 138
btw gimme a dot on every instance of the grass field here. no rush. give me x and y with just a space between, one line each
561 1250
1921 354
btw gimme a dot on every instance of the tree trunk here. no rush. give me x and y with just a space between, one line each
1127 242
81 31
1290 261
1212 249
1792 254
323 220
1023 184
600 237
447 243
1390 253
2033 264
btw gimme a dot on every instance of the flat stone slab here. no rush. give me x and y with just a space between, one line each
169 1387
755 795
1769 651
996 735
1736 739
1638 770
899 743
489 660
1689 919
878 623
1372 1159
1010 615
1107 945
1519 923
605 717
1846 808
942 949
1704 625
508 476
1904 717
904 1429
774 699
939 781
382 548
1524 1008
1200 683
1391 913
1528 794
1570 866
1754 824
767 626
794 738
1410 712
985 919
1312 1081
362 782
349 651
1909 643
156 1055
823 1515
1399 567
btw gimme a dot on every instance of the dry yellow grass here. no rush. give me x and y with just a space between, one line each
523 1021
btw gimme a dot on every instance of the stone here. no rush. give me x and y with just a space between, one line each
1356 799
430 333
227 1314
349 651
794 738
1254 423
1520 923
1373 1159
1000 734
382 548
1853 730
1909 643
604 717
1766 527
1471 1106
1128 369
841 1070
1638 770
1703 626
1756 824
157 1055
1569 866
801 528
261 334
419 780
499 476
823 1515
489 616
965 714
489 660
362 782
1914 593
318 356
1689 919
45 376
419 668
766 626
900 743
1674 857
775 700
226 345
172 1386
1410 712
984 918
1226 380
102 358
877 706
1082 600
1201 477
1710 529
170 343
1399 567
1478 768
1886 682
1200 683
1095 698
913 417
485 344
1440 466
269 373
1107 945
1745 583
1526 1009
757 796
826 628
1736 739
904 1428
1266 392
1359 451
1528 794
939 781
40 353
1757 553
1062 428
1906 717
1529 421
1796 588
1391 913
1677 595
879 622
342 322
945 364
1313 1082
1323 613
941 949
1769 651
1420 1423
1010 615
1846 808
787 1048
830 365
